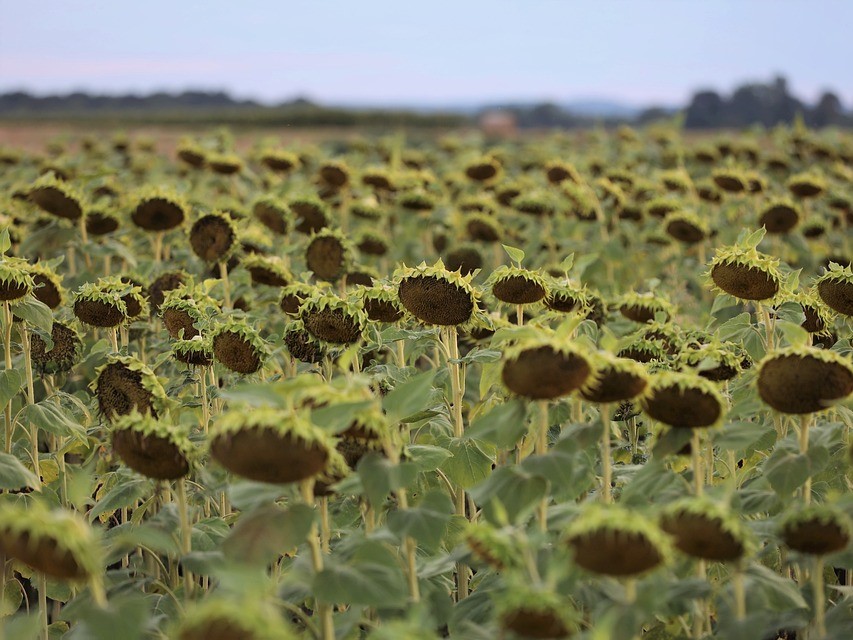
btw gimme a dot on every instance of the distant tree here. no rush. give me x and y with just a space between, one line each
827 112
705 111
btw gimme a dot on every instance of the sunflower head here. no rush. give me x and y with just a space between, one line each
435 296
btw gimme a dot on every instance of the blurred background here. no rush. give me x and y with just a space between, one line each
497 65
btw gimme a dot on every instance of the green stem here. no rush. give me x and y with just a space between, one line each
457 393
186 530
606 462
324 610
42 591
410 548
768 329
205 406
541 450
805 421
325 530
7 343
740 594
31 400
696 454
819 598
226 285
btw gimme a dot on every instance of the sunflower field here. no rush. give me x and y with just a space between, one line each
592 385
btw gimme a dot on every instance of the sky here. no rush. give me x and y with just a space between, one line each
427 52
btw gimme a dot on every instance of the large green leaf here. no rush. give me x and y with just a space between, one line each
126 616
409 397
426 522
379 476
740 435
11 381
503 426
427 457
268 532
35 313
517 492
373 577
51 417
468 464
786 472
14 475
127 490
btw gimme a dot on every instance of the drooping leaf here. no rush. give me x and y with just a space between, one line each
426 522
268 532
503 426
468 464
35 313
409 397
379 476
14 475
373 577
11 381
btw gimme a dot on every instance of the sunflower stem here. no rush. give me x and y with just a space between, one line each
325 530
7 343
541 450
31 400
41 585
205 407
819 598
606 462
186 530
113 338
84 237
410 547
740 594
452 350
324 609
805 421
768 328
226 285
696 454
158 248
401 354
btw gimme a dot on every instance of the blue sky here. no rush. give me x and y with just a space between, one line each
427 52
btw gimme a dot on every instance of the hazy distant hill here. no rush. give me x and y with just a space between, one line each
754 103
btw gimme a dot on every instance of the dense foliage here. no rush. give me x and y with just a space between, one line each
593 386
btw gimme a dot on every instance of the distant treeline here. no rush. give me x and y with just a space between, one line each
750 104
203 108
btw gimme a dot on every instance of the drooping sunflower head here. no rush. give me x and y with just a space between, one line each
684 400
238 346
615 541
744 273
804 379
545 366
225 618
269 445
333 320
57 197
157 209
515 285
155 448
329 254
16 279
835 288
213 237
55 542
705 529
435 296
